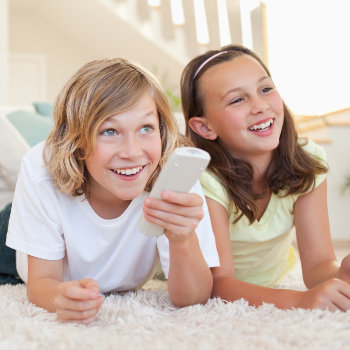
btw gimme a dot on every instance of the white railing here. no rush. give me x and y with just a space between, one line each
183 28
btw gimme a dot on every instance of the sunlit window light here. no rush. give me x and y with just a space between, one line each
224 27
177 12
201 22
310 62
154 3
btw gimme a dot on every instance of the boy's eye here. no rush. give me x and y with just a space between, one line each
146 129
108 132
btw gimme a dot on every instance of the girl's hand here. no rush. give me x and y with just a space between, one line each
78 301
344 270
333 294
178 213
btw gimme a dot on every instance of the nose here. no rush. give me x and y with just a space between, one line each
259 105
130 147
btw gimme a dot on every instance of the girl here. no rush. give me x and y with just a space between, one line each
80 195
261 183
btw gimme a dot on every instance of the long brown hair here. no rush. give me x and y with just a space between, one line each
291 170
97 91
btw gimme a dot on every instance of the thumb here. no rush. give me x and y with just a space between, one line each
89 283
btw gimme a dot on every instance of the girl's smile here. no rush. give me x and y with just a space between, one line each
263 128
262 125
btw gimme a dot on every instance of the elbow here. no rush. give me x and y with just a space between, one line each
192 296
189 301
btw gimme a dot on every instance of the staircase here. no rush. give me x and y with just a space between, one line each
182 28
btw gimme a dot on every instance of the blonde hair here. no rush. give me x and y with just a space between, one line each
98 90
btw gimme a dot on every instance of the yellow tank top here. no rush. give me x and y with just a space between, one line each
262 251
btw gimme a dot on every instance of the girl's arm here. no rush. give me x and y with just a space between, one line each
314 239
190 280
227 287
74 301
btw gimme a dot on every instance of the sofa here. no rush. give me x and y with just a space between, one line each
20 129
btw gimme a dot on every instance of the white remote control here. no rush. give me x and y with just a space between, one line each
179 173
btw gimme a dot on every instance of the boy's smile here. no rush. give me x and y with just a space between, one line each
128 150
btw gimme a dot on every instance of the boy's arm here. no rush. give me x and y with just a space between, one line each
189 280
74 301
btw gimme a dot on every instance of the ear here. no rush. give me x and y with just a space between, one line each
201 127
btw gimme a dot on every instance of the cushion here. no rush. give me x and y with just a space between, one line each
43 108
32 126
8 272
12 148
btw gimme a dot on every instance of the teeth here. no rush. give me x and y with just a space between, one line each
261 126
128 171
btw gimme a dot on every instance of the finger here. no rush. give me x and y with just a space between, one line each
154 206
89 320
342 303
183 199
340 299
344 288
74 316
174 213
346 261
332 307
74 291
74 305
89 283
172 221
85 322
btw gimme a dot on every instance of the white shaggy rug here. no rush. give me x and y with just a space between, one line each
147 320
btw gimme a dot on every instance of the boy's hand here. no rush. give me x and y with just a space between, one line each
178 213
78 301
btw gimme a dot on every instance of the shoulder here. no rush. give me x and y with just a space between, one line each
313 148
214 189
210 182
318 151
33 164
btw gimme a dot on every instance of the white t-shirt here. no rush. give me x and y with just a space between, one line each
50 225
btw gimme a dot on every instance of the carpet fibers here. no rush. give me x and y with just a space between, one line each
147 320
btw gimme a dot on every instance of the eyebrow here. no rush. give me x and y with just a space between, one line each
241 88
147 114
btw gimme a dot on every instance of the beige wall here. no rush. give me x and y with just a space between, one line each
49 29
338 158
30 33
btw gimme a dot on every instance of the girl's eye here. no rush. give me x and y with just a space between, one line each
146 129
109 132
